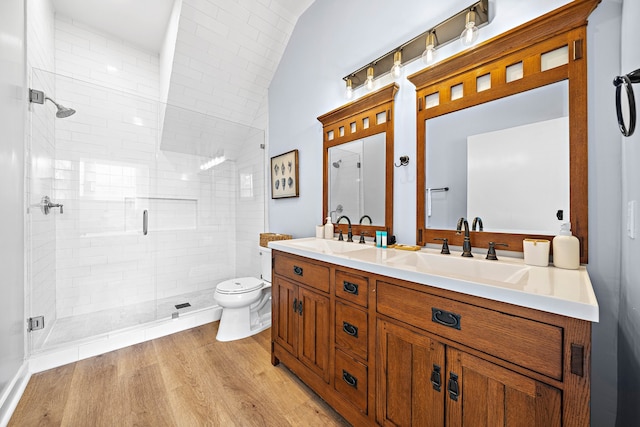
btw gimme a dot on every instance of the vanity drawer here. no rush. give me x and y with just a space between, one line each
524 342
352 287
351 329
302 271
350 380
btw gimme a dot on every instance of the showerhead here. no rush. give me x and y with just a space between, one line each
38 97
337 164
62 110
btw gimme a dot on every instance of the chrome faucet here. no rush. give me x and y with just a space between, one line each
466 245
477 221
350 233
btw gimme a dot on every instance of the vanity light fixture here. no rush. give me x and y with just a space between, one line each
429 54
349 91
470 33
396 70
423 46
369 84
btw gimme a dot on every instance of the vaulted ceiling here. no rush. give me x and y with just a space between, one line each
226 53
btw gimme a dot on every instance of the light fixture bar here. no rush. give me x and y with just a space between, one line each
447 31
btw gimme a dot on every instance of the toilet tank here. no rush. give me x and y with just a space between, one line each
265 259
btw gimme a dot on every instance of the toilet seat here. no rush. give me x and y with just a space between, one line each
240 285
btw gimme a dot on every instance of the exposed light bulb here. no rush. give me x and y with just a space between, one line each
396 70
470 33
349 91
429 54
369 84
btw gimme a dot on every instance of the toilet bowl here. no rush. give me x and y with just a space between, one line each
246 303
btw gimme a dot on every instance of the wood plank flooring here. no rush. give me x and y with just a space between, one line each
184 379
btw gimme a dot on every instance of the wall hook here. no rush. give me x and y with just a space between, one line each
404 161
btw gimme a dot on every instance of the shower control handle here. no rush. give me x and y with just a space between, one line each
46 204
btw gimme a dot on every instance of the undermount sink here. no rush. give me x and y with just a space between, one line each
452 265
328 246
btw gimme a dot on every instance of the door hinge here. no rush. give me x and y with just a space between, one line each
35 323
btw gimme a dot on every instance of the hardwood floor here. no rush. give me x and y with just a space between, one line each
184 379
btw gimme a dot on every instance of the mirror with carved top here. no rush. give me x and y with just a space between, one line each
358 164
537 71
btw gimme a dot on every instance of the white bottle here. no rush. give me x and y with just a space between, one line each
328 229
566 249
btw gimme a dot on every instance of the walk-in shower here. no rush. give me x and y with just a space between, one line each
126 158
38 97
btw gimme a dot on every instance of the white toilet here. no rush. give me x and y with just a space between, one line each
246 303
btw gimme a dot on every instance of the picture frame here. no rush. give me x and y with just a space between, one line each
284 175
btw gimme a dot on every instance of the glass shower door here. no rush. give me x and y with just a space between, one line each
92 265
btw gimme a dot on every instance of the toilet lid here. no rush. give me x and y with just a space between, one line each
240 285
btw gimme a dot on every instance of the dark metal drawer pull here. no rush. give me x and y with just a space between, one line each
445 318
297 270
349 329
436 380
295 304
300 307
454 391
349 379
350 288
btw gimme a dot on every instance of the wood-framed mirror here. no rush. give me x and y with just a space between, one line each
357 163
543 59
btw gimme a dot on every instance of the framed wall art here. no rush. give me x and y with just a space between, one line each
284 175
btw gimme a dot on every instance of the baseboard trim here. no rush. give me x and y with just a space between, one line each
13 393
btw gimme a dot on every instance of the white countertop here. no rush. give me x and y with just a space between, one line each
555 290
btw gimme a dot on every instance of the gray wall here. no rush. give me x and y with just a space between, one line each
604 201
629 326
333 38
12 115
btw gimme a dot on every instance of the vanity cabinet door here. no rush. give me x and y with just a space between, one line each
479 393
284 295
313 332
410 378
301 324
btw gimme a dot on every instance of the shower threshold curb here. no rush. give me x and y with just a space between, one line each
73 352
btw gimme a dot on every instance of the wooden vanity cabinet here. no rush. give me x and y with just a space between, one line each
301 314
409 354
422 381
328 346
450 359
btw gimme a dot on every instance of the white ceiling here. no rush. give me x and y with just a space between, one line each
141 22
226 51
144 22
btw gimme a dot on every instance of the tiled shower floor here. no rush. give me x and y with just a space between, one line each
74 328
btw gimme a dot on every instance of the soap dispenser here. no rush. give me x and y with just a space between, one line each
328 229
566 249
